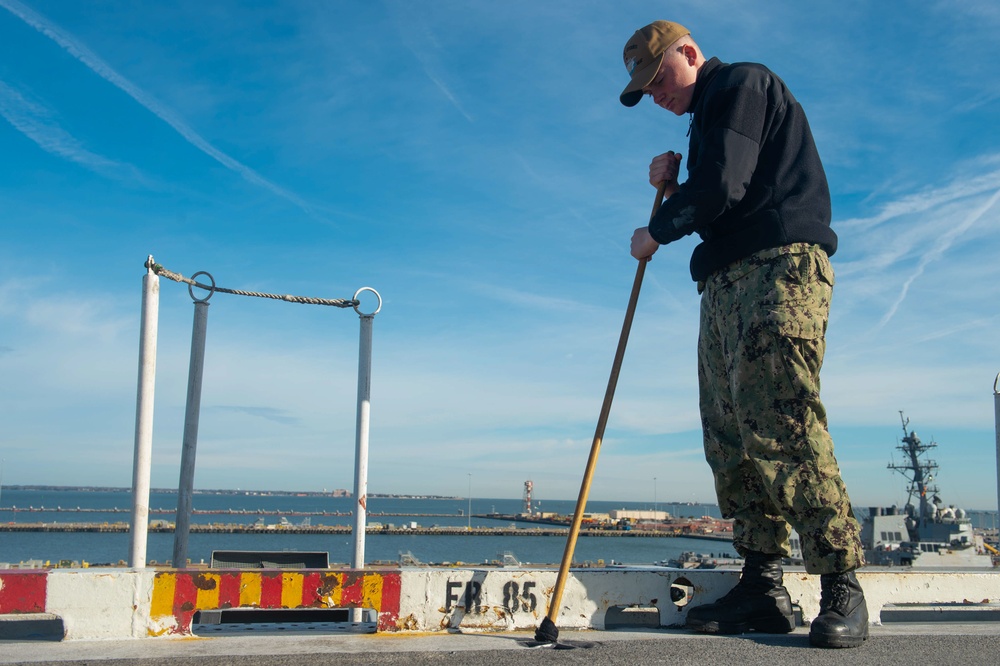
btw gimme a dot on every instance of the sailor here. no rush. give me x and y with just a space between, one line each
757 195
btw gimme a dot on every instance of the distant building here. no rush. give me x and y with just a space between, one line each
635 516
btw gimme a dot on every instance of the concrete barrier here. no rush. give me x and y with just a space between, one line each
23 591
103 603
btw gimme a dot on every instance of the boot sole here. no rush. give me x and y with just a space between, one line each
778 625
837 641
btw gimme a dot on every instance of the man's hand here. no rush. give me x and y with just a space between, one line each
643 245
664 168
662 171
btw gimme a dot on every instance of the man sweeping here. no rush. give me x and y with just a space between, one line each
757 196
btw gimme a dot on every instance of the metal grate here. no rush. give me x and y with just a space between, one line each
270 559
283 620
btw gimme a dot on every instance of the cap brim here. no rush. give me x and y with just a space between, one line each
642 78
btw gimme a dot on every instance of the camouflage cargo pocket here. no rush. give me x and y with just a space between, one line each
800 303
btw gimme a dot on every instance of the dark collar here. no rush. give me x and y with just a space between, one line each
706 73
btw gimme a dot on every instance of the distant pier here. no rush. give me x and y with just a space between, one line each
240 528
225 512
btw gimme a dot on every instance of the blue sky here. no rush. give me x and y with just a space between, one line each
471 162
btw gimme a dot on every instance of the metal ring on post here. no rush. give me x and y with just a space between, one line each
210 291
995 383
358 292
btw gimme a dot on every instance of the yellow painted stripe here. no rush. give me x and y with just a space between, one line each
291 590
162 603
208 598
249 589
371 591
338 590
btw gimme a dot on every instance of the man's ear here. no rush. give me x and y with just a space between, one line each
690 52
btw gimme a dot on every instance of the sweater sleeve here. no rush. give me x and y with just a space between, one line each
720 167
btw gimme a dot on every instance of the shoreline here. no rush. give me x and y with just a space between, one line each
240 528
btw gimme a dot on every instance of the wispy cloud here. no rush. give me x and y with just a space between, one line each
79 51
38 123
893 248
937 250
266 413
978 101
445 90
33 317
412 30
923 201
530 300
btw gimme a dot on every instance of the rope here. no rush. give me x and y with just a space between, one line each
177 277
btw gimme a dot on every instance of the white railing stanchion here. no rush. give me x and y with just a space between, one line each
142 462
996 419
364 413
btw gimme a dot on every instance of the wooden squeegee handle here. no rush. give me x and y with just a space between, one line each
602 421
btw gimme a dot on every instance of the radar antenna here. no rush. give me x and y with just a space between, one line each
919 471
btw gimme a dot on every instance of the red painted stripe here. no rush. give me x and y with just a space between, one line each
23 591
229 589
185 601
388 614
270 589
312 582
354 591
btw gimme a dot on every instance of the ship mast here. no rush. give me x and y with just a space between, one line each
919 472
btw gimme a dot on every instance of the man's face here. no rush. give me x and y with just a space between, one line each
673 86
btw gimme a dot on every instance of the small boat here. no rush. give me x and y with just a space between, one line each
692 560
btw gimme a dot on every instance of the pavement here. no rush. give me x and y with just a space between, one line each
926 644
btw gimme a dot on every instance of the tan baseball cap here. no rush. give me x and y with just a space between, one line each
644 53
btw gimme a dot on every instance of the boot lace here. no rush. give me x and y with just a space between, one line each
835 597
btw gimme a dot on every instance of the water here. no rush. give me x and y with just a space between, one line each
115 506
39 506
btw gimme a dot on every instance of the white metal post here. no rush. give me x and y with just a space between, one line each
364 413
142 462
996 420
185 487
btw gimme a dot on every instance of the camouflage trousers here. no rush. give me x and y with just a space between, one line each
760 350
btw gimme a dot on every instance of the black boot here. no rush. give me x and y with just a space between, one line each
759 602
843 615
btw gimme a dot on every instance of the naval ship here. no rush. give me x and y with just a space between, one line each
925 534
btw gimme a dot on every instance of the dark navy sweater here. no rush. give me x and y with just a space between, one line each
755 180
